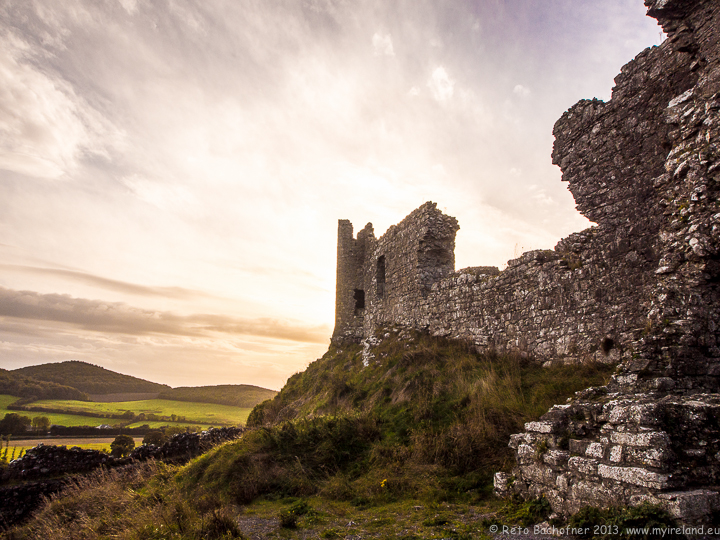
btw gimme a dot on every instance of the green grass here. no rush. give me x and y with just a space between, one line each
147 503
437 397
6 400
404 447
55 418
237 395
193 413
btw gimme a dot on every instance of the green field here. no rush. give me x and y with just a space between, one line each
55 418
185 412
196 414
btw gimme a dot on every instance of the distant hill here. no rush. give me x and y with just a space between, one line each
89 378
22 386
238 395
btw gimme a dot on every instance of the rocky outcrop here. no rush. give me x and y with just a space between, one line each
653 433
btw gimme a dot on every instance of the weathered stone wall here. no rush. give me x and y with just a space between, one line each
642 287
588 298
650 435
394 275
623 450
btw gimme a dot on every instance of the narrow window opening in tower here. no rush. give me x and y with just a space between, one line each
359 297
380 276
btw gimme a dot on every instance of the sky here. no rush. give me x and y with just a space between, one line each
172 171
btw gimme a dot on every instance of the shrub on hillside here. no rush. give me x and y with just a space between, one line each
122 445
155 437
14 424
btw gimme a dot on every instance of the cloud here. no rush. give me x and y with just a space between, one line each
106 283
129 5
160 195
45 127
440 84
521 90
439 168
120 318
382 45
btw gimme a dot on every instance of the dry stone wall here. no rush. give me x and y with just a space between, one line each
641 287
46 470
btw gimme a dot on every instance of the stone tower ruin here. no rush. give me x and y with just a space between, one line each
386 280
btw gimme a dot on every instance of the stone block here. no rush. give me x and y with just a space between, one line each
541 427
589 493
562 482
583 465
634 475
525 453
539 473
556 457
520 438
691 506
653 457
648 438
500 483
595 450
577 446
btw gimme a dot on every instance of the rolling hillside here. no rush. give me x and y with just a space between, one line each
236 395
23 386
403 437
89 378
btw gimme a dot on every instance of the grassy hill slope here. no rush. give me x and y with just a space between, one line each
22 386
433 399
89 378
416 425
236 395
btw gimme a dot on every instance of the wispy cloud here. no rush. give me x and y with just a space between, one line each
188 161
105 283
441 85
115 317
45 126
382 44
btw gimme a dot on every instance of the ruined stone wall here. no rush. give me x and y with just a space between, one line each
642 287
651 435
589 298
394 275
623 450
641 282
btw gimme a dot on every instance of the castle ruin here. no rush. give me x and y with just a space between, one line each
641 288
